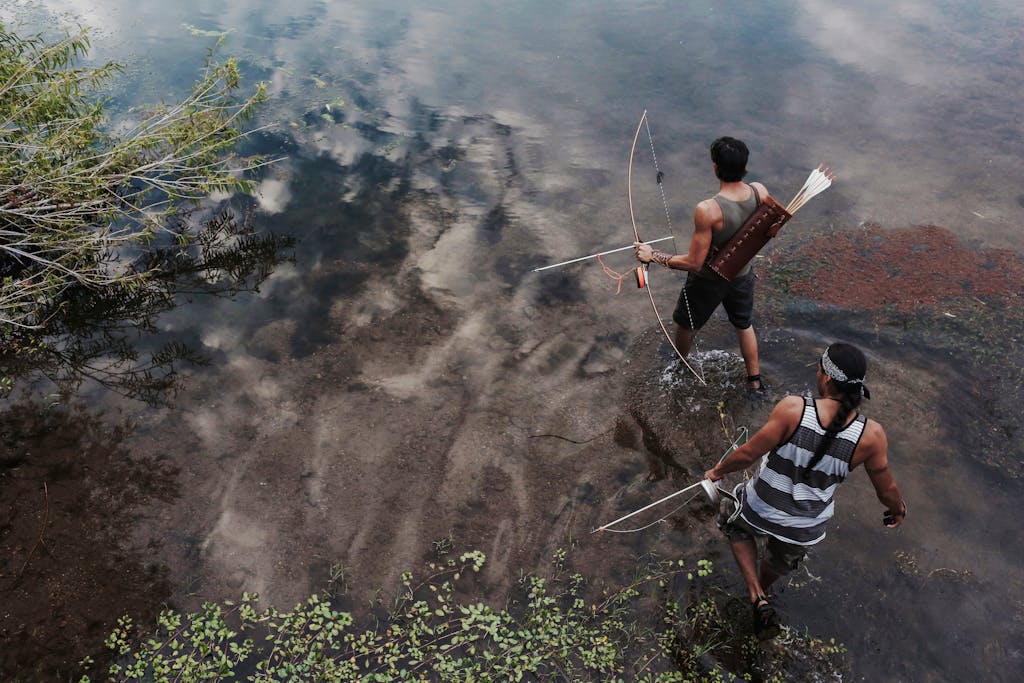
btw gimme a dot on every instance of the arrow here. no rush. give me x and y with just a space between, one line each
603 253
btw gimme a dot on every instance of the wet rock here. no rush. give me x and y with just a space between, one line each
603 357
628 433
687 425
237 580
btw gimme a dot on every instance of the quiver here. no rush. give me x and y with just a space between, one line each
763 224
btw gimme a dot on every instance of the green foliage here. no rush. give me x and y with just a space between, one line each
560 627
71 193
87 216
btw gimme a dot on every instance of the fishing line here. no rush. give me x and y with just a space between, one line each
657 521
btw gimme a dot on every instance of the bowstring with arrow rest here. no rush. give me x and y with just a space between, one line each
645 123
668 219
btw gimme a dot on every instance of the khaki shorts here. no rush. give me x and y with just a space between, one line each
780 556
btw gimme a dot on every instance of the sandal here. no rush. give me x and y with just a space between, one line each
766 622
760 390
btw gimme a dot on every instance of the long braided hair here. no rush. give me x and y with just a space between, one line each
845 366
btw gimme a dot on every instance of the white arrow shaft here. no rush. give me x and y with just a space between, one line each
603 253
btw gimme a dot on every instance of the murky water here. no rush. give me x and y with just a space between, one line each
406 377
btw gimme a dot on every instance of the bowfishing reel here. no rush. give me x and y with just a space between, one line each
640 272
711 491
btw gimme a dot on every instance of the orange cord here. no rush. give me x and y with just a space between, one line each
612 274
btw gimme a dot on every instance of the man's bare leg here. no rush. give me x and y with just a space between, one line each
748 349
767 577
766 623
684 340
745 553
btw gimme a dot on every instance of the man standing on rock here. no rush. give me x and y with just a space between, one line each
715 221
789 502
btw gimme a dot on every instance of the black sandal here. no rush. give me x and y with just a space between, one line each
766 622
760 388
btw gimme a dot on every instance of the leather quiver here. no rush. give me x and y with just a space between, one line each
763 224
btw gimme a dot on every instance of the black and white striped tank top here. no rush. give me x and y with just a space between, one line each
791 502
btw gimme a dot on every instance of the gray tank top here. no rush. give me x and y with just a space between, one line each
734 215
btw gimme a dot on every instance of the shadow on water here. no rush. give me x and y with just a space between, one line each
68 567
70 486
109 335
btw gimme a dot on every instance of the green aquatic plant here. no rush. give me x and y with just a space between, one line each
555 627
73 194
203 33
563 626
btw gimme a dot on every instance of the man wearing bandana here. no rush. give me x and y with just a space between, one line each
809 446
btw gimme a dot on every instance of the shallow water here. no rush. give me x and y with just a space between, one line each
406 377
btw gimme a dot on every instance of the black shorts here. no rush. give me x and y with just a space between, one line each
704 294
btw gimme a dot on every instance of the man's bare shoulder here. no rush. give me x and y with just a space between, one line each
791 409
873 432
707 215
709 207
873 445
762 191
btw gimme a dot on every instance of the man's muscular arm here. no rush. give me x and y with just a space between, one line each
876 463
705 217
781 423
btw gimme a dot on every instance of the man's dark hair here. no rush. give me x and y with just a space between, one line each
851 361
730 156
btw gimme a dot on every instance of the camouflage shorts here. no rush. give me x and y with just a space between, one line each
780 556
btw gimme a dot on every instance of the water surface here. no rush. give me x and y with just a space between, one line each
385 389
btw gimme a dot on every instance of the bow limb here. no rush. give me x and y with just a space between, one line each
709 487
629 177
636 233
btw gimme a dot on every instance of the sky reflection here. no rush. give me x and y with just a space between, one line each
434 152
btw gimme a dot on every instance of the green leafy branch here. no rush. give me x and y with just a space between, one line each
73 193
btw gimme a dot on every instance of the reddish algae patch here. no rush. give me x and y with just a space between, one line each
873 268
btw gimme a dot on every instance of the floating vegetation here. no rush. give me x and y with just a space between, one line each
203 33
561 627
905 268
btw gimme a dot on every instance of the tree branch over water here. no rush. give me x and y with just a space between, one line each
92 229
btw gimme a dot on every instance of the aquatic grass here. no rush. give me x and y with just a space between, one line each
559 627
